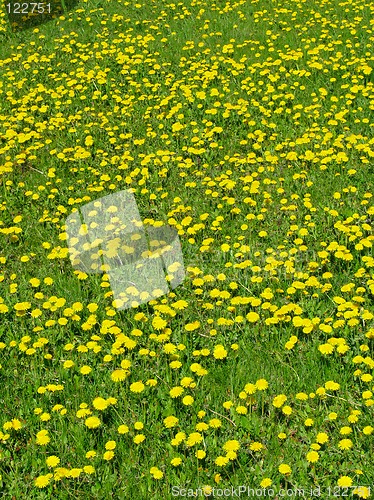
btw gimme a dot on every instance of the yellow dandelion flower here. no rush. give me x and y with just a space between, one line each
119 375
231 445
52 461
219 352
312 456
345 444
285 469
279 400
190 327
110 445
255 446
156 473
221 461
176 461
139 438
345 481
100 403
170 421
266 482
92 422
42 481
252 317
261 385
188 400
108 455
137 387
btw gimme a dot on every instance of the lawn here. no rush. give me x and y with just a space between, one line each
247 127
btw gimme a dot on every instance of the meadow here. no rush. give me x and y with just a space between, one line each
247 126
